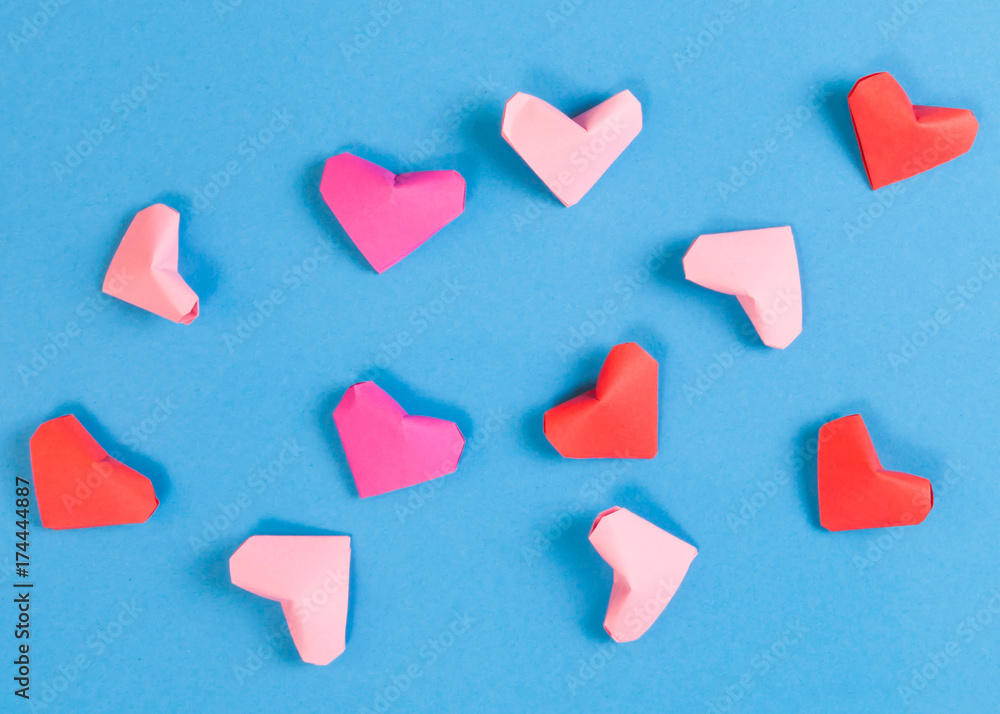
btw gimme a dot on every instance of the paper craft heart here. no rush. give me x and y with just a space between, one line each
898 139
570 155
618 419
389 216
78 485
761 269
855 491
144 269
387 449
649 566
310 577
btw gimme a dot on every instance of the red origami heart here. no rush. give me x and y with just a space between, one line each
618 419
855 491
78 485
898 139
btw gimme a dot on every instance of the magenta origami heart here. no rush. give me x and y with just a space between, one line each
389 216
387 449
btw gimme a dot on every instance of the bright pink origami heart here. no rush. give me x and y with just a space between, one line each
389 216
761 269
386 448
144 269
649 566
570 155
310 577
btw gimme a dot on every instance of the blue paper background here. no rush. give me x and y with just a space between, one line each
775 615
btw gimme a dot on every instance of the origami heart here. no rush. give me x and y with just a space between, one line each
570 155
649 566
855 491
78 485
310 577
386 448
389 216
144 269
618 419
761 269
899 140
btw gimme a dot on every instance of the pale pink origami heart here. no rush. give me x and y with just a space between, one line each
570 155
310 577
649 566
389 216
386 448
761 269
144 269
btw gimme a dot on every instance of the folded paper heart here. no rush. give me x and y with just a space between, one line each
389 216
144 269
899 140
388 449
649 566
78 485
855 491
310 577
761 269
570 155
618 419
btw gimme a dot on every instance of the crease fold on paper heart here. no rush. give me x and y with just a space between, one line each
143 271
310 577
79 485
855 492
568 154
616 419
759 267
386 215
388 449
898 139
649 565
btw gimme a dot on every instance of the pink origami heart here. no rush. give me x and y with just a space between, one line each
309 576
389 216
649 566
570 155
761 269
144 269
386 448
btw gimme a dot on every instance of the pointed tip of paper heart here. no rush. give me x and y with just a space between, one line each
898 139
855 491
79 485
143 271
760 268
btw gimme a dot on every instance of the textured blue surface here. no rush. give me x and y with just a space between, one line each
901 324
